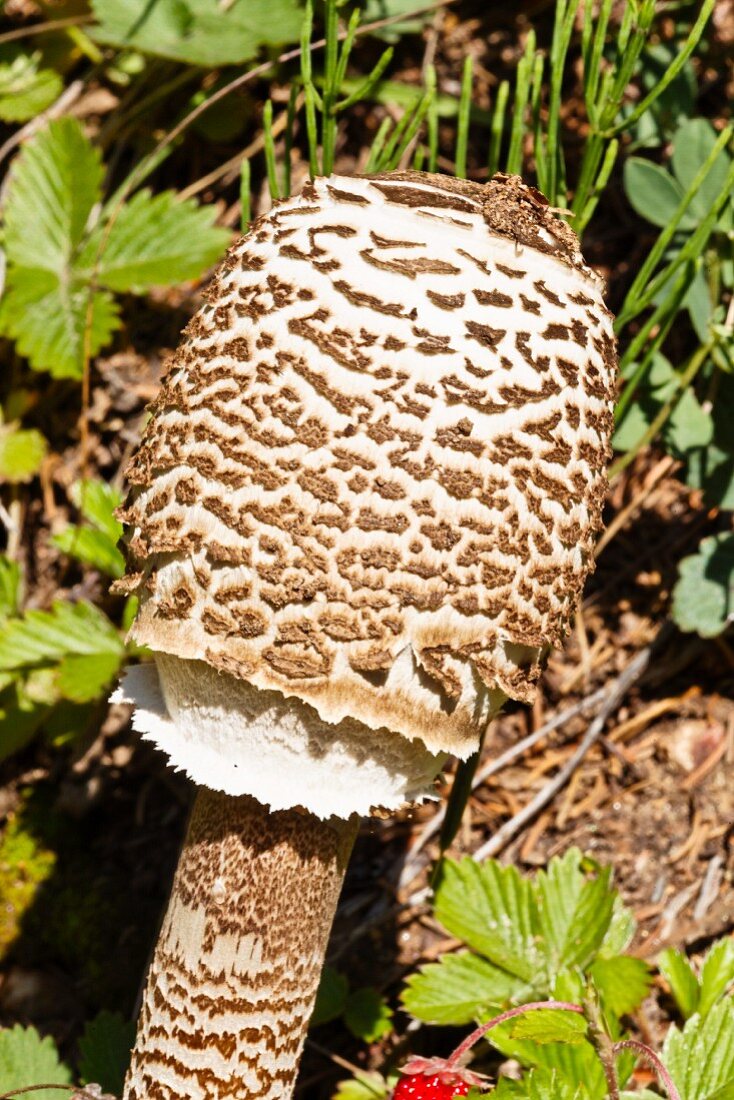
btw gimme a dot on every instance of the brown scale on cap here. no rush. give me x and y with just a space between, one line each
386 431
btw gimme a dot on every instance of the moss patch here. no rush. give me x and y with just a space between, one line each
25 864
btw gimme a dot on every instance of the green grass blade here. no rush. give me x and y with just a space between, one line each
432 118
660 322
462 130
497 127
562 31
522 94
378 145
542 167
270 150
368 84
289 125
591 199
245 200
672 71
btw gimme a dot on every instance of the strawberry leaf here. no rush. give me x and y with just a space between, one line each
460 989
700 1057
21 454
26 90
157 241
717 974
622 981
25 1058
54 185
494 910
678 972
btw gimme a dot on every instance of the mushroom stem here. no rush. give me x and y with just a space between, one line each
236 968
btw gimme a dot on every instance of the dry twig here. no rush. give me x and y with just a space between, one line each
615 694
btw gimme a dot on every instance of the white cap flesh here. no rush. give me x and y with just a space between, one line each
227 735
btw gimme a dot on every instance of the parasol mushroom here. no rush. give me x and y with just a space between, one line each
362 511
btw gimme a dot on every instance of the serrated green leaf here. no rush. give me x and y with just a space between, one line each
363 1086
678 972
575 911
623 982
331 997
46 316
20 719
493 909
654 193
621 931
198 32
157 241
54 184
92 547
549 1026
104 1051
571 1061
21 453
460 989
703 597
26 90
540 1084
368 1015
26 1058
10 586
717 974
43 637
700 1058
81 678
97 501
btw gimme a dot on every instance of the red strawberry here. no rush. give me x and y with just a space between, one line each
434 1079
420 1086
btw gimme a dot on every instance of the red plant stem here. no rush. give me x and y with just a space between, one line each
521 1010
651 1057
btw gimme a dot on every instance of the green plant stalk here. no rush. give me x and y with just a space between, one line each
539 142
556 169
415 124
331 62
341 68
593 39
511 1014
632 38
378 145
602 1043
462 129
661 320
367 85
289 126
432 118
642 290
460 791
650 1056
497 127
695 363
694 37
590 161
522 94
269 145
591 198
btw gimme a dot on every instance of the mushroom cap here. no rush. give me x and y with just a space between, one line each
375 469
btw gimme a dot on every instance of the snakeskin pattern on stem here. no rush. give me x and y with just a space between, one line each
238 960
